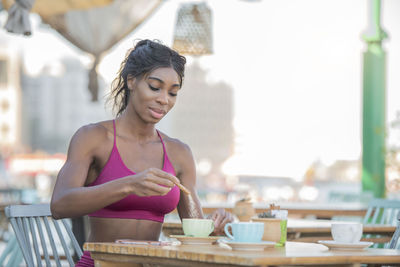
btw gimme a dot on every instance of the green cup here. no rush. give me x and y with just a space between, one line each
282 241
197 227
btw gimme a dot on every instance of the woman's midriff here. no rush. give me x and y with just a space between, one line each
111 229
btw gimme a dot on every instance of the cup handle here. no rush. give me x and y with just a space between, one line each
226 230
212 227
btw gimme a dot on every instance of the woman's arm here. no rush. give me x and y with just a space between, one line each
189 205
70 196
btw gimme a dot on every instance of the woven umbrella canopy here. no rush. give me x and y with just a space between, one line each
96 30
18 11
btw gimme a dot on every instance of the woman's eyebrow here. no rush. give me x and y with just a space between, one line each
161 81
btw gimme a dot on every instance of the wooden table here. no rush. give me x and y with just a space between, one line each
295 253
307 230
297 210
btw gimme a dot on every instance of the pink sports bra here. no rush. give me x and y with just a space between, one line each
151 208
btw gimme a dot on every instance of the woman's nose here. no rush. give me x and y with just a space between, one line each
163 98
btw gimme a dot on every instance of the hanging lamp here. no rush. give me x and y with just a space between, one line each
193 30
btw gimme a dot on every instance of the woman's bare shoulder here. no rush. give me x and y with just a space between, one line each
91 135
95 130
176 146
181 157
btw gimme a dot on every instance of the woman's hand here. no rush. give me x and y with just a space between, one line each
152 182
220 218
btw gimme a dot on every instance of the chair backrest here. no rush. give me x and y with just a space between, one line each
382 211
395 241
29 222
346 197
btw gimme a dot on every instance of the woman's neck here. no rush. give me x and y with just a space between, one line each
135 127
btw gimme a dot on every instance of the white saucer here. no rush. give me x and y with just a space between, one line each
331 244
256 246
191 240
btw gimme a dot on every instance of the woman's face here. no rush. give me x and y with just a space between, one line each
154 95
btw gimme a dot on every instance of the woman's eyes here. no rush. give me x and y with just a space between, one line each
157 89
154 88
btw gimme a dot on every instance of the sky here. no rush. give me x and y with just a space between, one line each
295 68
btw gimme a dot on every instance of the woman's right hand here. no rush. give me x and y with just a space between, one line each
152 182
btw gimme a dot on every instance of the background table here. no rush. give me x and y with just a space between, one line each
295 253
301 210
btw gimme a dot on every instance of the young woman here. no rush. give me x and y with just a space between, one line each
124 173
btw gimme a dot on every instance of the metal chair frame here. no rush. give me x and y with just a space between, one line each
394 242
382 211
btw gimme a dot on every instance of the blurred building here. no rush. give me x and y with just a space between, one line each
10 96
203 118
55 104
339 171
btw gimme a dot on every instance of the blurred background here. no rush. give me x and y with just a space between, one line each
271 104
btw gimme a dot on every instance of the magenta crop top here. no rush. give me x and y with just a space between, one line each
151 208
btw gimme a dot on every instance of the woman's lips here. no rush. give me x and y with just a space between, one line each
157 113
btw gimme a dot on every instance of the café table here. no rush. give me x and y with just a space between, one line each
294 253
297 210
304 230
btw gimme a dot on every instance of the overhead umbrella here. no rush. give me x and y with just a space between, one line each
18 11
96 30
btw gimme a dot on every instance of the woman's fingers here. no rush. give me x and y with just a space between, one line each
154 189
156 182
159 180
225 221
168 179
165 175
220 218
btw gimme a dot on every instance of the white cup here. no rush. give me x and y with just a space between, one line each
346 232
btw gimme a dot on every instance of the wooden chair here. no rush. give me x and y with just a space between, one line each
395 242
346 197
32 223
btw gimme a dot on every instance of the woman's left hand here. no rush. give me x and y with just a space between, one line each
220 218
